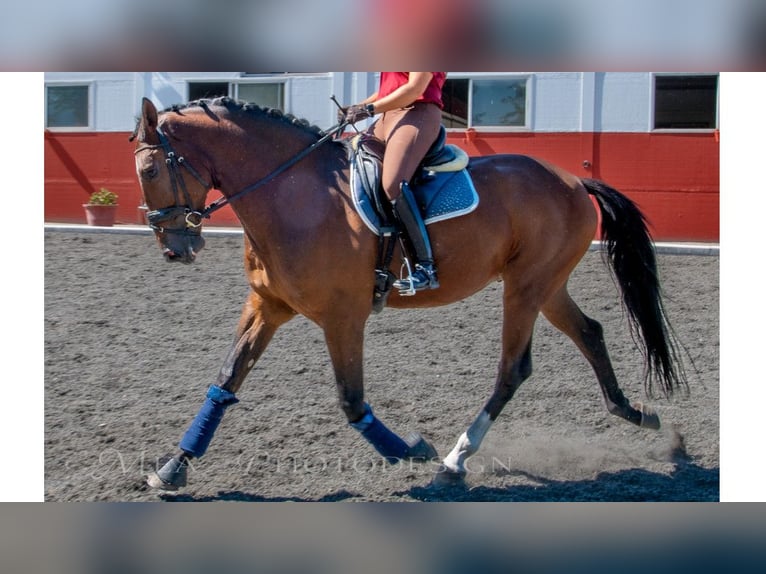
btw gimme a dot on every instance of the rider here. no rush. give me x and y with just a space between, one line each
411 104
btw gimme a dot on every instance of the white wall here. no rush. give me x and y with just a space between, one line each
556 102
559 101
624 102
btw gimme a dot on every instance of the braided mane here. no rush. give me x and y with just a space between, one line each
237 107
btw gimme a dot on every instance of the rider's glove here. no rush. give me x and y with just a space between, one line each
353 114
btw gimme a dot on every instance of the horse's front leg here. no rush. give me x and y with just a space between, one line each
345 342
259 321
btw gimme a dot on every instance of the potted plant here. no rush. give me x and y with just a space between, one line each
101 208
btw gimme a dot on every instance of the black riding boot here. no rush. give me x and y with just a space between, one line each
423 275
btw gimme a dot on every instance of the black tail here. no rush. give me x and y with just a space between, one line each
632 260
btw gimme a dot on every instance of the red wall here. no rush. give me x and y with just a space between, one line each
77 164
674 178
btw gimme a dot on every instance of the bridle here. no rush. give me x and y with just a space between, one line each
175 163
192 218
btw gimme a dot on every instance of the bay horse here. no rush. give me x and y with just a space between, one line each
308 252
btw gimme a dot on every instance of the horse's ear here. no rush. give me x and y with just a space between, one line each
149 118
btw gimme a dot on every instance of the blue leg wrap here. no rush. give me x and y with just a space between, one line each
202 428
379 436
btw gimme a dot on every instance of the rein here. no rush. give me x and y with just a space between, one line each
219 203
192 218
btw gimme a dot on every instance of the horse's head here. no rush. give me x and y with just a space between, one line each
172 189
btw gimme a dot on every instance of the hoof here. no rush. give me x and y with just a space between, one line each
171 476
677 452
649 418
445 478
154 481
420 449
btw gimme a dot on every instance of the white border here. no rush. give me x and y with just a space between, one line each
22 351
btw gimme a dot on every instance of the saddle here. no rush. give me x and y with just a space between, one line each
441 184
442 188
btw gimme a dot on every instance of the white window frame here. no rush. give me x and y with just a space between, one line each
528 78
653 104
91 106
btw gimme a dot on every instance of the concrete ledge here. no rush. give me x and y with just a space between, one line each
131 229
672 248
676 248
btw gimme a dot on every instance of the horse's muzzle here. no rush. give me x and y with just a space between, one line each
181 247
173 257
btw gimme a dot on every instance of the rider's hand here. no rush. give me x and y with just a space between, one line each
355 113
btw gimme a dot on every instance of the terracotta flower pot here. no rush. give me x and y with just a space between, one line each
100 215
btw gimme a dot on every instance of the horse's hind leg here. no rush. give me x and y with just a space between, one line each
588 335
515 368
259 321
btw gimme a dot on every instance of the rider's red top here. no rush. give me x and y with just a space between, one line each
390 81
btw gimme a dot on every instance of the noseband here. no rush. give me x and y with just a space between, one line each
192 218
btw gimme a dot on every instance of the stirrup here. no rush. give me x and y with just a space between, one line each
421 279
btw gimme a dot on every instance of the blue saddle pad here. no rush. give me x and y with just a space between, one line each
440 196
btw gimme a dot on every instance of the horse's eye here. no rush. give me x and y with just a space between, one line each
150 172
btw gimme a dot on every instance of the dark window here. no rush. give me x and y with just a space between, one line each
67 107
200 90
685 102
455 98
485 103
